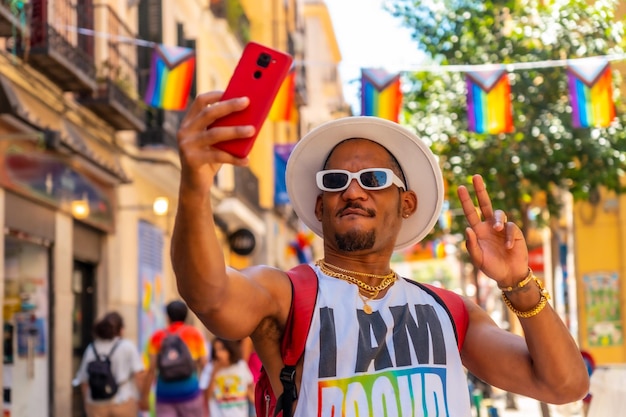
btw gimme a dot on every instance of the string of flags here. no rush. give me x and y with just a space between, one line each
489 107
489 104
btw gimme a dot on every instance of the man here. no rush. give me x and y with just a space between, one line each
368 187
180 396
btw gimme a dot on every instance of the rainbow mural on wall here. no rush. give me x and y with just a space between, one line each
591 92
171 77
380 94
489 107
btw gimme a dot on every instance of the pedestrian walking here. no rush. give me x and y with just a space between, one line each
111 372
230 384
177 355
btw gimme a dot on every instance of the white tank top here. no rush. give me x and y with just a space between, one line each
401 360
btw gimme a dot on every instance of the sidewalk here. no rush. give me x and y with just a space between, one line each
528 407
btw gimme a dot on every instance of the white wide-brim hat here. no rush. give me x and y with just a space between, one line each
419 165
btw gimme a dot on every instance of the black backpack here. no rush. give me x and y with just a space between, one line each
102 383
174 360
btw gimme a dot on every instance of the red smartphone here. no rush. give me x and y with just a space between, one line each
258 75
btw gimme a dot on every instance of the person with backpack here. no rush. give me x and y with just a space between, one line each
176 354
375 343
111 372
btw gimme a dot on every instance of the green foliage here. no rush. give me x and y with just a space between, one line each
237 20
545 154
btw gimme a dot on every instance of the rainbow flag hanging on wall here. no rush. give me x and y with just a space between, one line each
171 76
591 92
380 94
489 107
283 105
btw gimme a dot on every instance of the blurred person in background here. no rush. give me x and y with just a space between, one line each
126 366
179 397
229 382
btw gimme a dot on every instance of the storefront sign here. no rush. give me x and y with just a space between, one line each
48 177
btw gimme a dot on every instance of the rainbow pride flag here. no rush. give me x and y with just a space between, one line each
591 92
489 107
283 105
380 94
171 76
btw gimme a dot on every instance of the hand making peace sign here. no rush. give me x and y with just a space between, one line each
495 245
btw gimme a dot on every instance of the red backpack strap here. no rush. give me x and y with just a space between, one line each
304 294
455 306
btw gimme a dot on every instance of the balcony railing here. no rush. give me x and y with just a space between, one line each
111 103
116 99
157 137
57 49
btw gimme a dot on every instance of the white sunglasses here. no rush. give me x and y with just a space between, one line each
369 179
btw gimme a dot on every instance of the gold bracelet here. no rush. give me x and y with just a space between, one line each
520 284
545 296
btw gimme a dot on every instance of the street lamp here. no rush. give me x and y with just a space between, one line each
161 206
80 208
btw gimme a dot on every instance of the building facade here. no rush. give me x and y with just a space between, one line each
83 159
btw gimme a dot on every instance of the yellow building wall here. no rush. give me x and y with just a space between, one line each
269 21
600 242
600 234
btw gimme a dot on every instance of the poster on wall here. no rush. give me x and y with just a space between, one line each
151 291
31 336
602 295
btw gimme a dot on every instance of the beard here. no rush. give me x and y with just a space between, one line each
355 241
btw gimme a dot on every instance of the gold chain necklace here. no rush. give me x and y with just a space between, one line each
362 274
372 291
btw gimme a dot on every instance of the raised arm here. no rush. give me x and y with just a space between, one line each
230 303
546 364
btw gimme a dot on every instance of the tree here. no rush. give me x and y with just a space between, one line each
545 154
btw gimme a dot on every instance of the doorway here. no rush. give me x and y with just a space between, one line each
27 329
83 316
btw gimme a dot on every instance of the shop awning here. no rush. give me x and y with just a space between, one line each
236 215
22 109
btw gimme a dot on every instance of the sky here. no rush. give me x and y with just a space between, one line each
369 37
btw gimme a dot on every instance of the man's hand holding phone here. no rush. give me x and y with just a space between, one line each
259 74
221 127
200 158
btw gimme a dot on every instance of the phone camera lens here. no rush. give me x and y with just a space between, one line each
264 60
